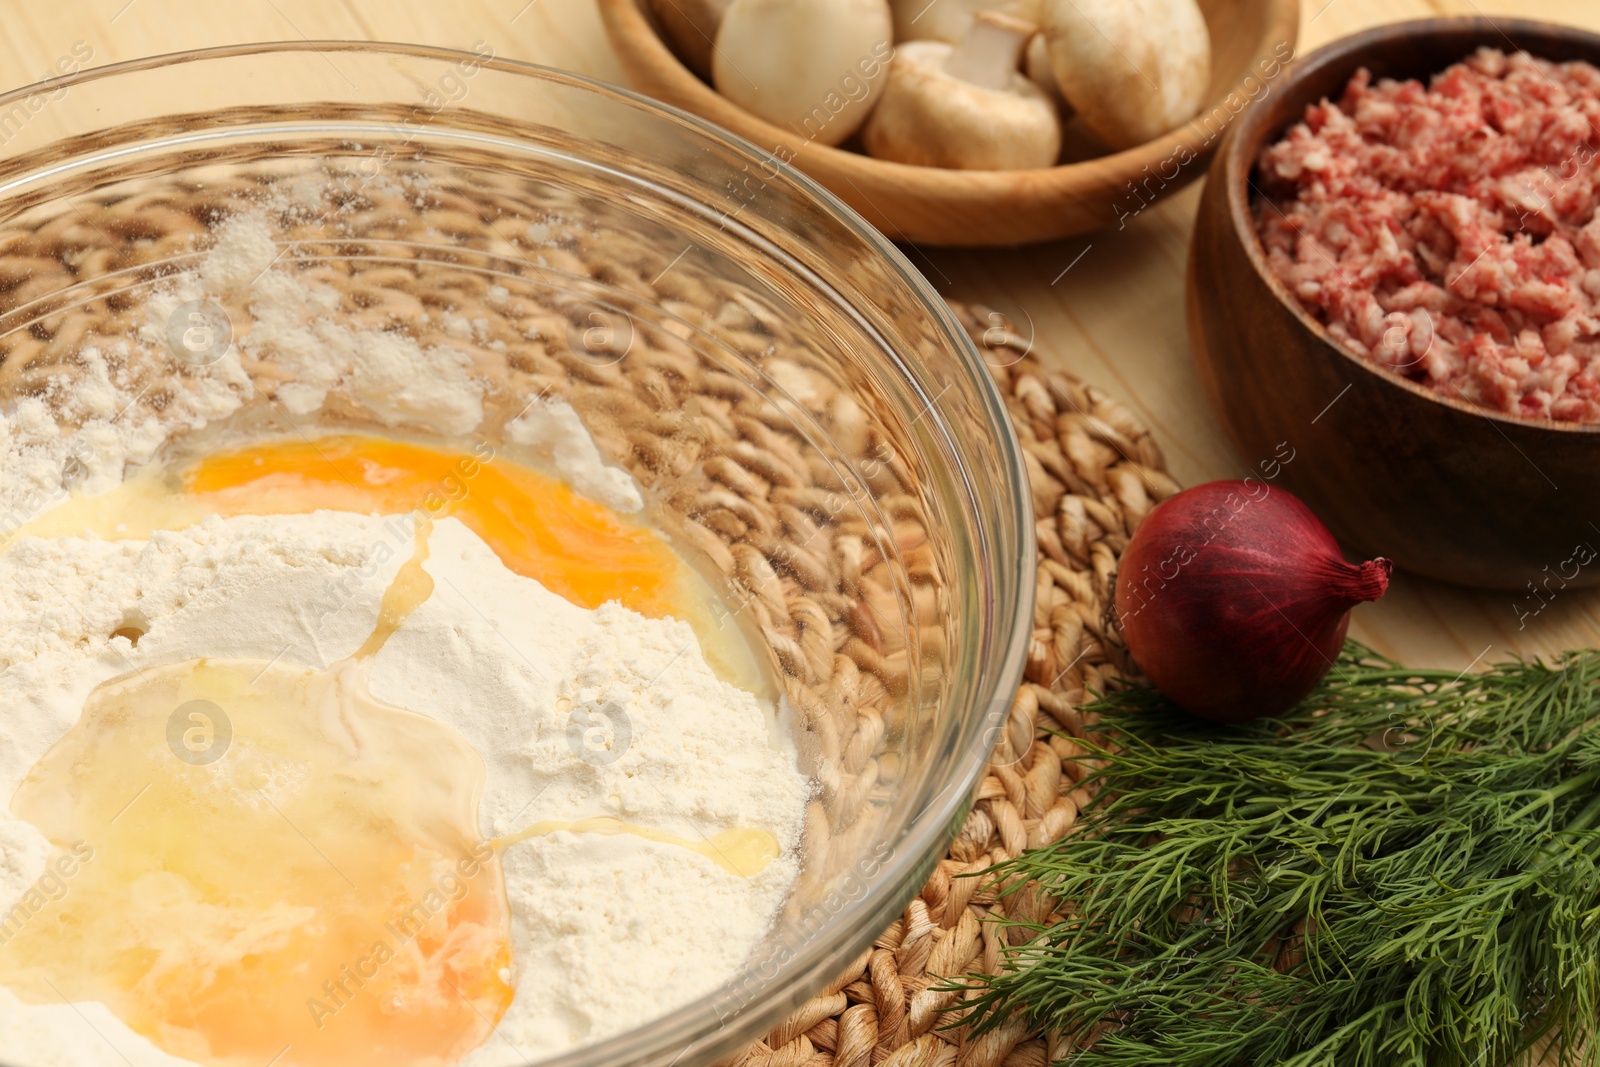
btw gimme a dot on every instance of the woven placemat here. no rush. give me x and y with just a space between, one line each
1095 473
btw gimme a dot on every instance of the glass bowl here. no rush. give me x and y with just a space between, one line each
799 406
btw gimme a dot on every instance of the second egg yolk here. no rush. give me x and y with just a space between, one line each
540 528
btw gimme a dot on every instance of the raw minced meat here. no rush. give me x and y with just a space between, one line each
1449 231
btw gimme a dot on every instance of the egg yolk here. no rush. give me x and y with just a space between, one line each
263 864
537 525
540 528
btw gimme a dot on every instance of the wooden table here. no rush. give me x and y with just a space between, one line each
1108 306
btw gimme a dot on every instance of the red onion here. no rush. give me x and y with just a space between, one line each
1234 599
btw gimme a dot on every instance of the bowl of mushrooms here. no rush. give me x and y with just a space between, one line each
967 122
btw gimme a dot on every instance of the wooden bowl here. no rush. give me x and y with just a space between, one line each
1444 488
929 205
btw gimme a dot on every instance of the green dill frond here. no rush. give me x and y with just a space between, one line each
1403 871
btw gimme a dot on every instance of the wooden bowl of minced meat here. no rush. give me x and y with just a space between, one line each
1394 298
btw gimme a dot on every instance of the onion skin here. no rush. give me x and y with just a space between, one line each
1234 599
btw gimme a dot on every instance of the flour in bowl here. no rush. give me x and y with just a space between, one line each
605 734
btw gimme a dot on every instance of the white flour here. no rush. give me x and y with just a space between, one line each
554 426
296 327
295 334
607 931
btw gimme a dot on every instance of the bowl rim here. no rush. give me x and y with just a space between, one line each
1283 23
941 804
1236 160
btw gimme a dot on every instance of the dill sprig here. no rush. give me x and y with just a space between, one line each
1402 871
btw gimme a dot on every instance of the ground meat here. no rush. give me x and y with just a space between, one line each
1449 232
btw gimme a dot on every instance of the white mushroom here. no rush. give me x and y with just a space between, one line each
1133 69
691 27
1036 65
814 66
966 105
949 20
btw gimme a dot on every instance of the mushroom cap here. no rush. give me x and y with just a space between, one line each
815 67
930 118
1036 65
1133 69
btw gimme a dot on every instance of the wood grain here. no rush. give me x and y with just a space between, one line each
982 208
1107 307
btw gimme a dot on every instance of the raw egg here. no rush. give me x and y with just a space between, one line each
270 866
538 526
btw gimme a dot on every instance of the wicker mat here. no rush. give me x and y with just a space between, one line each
1095 472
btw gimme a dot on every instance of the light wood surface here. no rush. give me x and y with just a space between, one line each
1108 306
